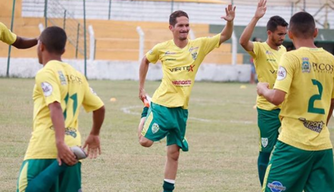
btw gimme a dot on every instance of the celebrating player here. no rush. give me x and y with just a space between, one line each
266 56
168 113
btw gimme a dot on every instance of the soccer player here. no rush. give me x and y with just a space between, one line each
10 38
303 155
59 92
168 113
266 56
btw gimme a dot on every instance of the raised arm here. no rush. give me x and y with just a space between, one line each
228 29
142 76
248 31
24 43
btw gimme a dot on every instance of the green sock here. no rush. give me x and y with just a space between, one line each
262 163
168 187
46 179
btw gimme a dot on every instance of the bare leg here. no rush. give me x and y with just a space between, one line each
173 153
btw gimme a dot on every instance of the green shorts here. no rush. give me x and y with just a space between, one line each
68 181
171 122
269 123
294 170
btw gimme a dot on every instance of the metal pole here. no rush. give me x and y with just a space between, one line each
172 6
85 45
46 13
64 21
77 43
109 11
10 47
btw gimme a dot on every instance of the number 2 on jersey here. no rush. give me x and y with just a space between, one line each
74 106
311 108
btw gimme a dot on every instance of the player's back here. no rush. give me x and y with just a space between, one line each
307 76
312 80
62 83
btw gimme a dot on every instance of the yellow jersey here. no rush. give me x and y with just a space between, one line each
179 67
58 82
307 76
266 62
6 35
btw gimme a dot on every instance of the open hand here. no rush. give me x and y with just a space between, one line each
261 9
93 146
230 13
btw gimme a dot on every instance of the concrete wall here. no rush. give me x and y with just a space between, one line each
113 70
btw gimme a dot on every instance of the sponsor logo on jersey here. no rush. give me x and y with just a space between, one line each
62 78
276 186
281 73
193 48
306 67
70 131
182 83
322 67
170 53
47 88
155 128
312 125
189 68
92 90
264 142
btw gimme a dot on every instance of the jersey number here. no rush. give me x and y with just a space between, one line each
311 108
74 106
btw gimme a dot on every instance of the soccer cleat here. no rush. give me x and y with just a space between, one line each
79 152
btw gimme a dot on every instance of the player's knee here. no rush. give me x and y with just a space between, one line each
145 142
173 155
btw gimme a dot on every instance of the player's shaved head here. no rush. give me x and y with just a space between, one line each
275 21
176 14
54 39
302 25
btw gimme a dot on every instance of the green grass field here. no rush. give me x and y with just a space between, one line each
222 135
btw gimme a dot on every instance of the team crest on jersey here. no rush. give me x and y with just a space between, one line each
276 186
281 73
269 52
155 128
306 67
62 78
194 55
264 142
47 89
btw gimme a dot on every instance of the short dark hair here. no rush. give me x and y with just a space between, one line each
302 25
275 21
176 14
54 38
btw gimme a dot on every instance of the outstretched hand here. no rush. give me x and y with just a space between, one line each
93 146
230 13
261 8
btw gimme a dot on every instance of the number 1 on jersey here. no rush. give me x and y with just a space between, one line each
74 106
